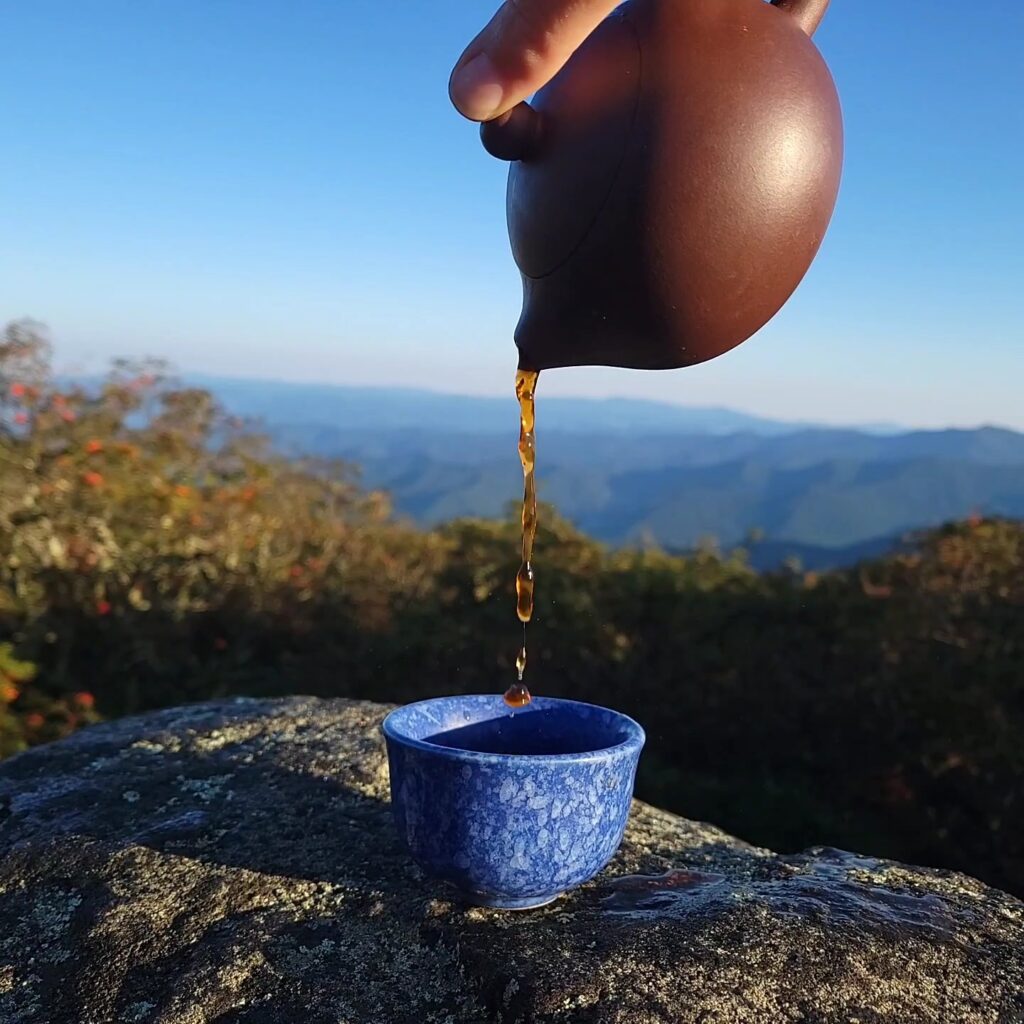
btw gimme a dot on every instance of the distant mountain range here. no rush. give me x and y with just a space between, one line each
628 471
365 408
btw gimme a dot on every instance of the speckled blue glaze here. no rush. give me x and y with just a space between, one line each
512 807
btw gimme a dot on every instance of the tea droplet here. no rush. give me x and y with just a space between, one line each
517 696
521 661
524 593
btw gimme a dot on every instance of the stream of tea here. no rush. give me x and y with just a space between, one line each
517 695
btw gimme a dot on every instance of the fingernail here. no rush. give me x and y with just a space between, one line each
475 89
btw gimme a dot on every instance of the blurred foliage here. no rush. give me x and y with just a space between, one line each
153 551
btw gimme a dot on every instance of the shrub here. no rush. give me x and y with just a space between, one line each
153 551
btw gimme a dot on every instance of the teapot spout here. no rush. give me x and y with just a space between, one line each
580 317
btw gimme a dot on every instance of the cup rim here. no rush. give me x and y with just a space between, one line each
634 741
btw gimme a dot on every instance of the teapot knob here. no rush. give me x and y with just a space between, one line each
515 135
808 13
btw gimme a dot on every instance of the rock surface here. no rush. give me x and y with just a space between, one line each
235 863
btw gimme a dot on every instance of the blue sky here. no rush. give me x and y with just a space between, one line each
280 189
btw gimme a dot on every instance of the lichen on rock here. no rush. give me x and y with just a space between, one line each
234 862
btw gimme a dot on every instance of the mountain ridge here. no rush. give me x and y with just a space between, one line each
352 405
675 474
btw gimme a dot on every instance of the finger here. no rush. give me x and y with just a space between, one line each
523 47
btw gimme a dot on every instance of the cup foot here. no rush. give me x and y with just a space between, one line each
484 899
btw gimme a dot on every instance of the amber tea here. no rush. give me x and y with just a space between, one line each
518 695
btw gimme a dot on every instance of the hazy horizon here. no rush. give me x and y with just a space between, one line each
555 385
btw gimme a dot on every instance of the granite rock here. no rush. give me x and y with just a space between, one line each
235 862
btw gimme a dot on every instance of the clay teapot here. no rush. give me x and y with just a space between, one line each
672 184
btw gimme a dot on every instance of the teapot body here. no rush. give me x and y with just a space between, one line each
686 167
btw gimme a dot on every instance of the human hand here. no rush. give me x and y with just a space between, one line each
522 48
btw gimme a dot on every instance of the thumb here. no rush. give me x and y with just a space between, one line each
522 48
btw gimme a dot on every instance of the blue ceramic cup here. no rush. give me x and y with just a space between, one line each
512 807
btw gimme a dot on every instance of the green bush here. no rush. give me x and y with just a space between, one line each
152 551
